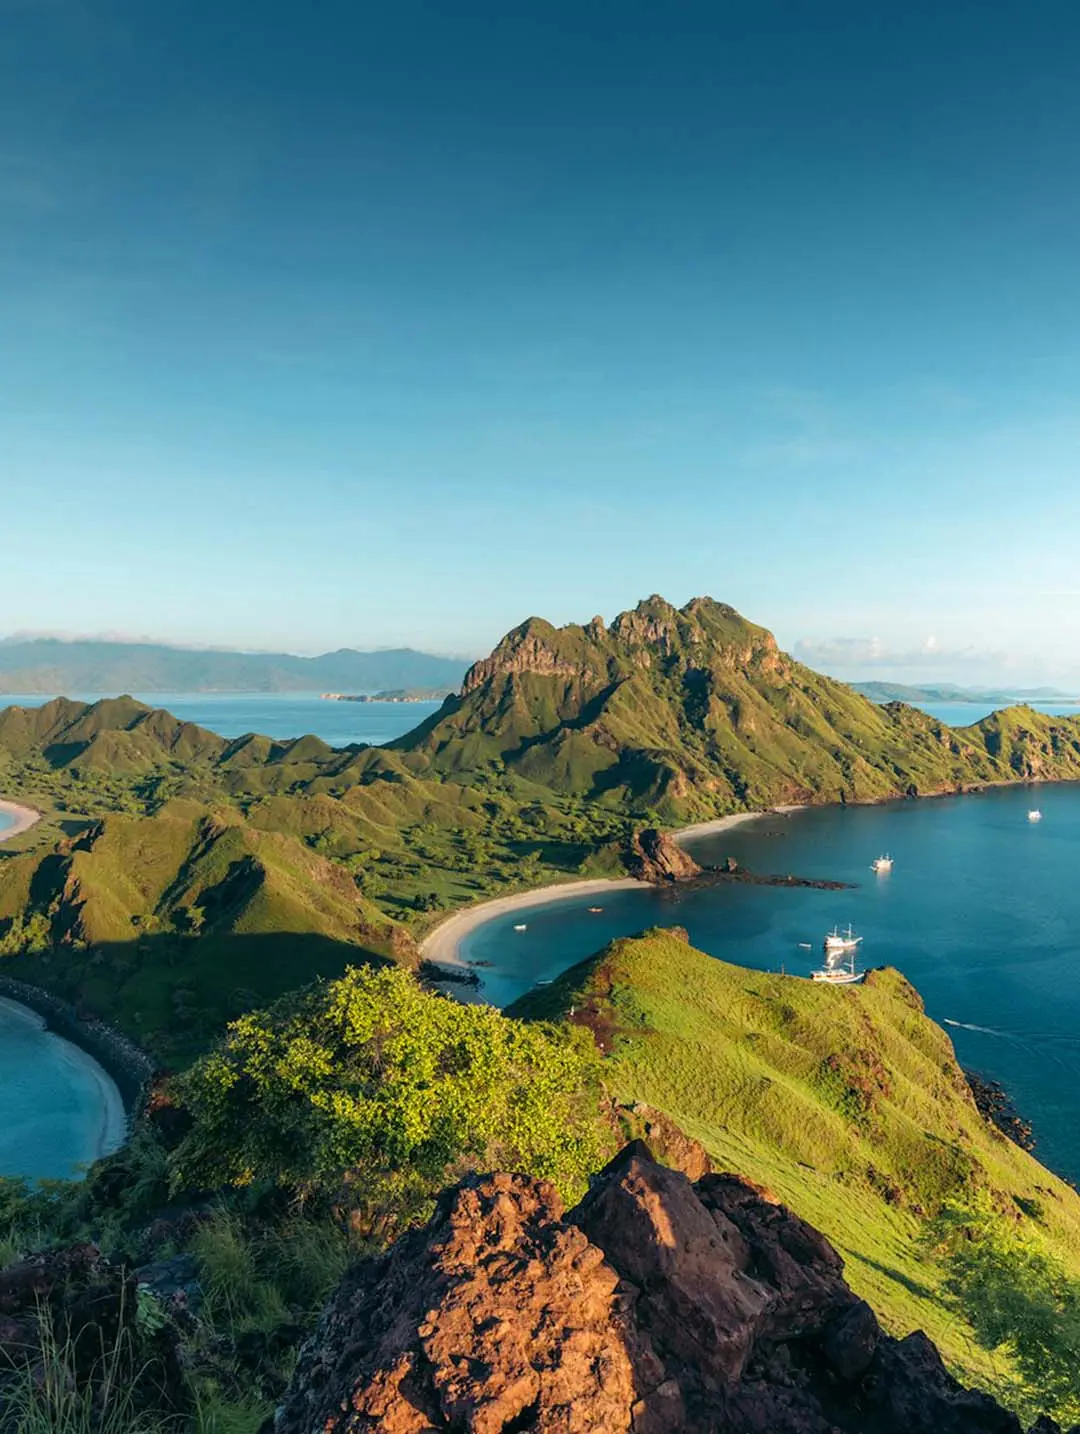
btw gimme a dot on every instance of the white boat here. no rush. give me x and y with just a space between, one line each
883 863
838 940
522 927
1035 815
839 975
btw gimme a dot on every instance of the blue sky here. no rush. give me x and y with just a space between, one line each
365 324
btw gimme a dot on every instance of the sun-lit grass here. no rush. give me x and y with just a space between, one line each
848 1104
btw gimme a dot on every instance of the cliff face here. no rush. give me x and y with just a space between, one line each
656 1306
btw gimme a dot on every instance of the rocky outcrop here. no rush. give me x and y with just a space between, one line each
654 856
656 1306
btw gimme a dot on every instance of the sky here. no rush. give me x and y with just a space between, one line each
365 324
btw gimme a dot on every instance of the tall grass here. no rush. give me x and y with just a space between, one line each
47 1398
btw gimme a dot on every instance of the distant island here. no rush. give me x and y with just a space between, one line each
393 694
52 665
946 692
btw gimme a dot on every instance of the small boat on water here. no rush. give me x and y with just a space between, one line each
596 910
882 863
1034 815
838 940
836 975
521 927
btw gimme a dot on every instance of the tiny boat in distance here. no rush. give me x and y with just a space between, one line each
595 909
522 927
883 863
838 940
1034 815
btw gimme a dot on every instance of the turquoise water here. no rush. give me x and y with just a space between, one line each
5 822
58 1108
981 912
288 714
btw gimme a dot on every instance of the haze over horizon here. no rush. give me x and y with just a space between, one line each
390 326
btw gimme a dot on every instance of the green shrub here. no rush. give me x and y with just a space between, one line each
375 1079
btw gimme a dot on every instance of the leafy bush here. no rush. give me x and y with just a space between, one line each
1019 1300
375 1081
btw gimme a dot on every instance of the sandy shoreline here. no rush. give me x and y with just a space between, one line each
23 819
443 945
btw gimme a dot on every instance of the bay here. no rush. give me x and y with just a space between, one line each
981 912
59 1110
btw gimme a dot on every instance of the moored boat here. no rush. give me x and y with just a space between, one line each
833 974
1034 815
838 940
882 863
521 927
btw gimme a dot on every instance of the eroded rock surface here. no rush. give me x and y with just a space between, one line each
657 857
656 1307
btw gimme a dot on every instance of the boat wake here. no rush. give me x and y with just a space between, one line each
985 1030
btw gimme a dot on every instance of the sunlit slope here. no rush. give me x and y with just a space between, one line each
848 1103
173 924
694 711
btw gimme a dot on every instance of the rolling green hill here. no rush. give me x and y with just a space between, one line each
695 711
561 743
847 1103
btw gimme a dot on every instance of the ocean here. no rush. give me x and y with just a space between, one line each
981 912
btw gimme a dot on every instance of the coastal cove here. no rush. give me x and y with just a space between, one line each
62 1107
981 913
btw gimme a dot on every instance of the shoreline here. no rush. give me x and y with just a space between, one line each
23 818
442 946
113 1128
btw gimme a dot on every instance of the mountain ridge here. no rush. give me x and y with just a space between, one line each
50 665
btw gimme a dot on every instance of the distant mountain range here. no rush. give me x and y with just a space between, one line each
54 665
946 692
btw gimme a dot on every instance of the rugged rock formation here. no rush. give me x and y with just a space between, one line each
655 1307
654 856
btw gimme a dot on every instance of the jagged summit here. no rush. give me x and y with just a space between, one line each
695 710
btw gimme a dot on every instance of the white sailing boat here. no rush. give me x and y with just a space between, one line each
1034 815
521 927
882 863
838 940
837 975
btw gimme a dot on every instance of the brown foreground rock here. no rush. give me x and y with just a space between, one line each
654 1307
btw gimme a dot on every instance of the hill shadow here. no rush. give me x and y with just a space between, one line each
173 994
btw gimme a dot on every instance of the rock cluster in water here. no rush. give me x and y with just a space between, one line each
656 1306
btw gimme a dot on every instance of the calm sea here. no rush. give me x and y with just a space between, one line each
280 715
981 912
60 1109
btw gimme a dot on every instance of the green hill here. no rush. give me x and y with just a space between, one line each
176 923
695 711
562 742
847 1103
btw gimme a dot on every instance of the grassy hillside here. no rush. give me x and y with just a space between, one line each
176 923
562 742
848 1103
695 711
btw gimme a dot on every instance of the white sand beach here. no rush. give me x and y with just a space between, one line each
23 818
444 943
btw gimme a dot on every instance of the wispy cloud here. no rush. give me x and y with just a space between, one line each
862 652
